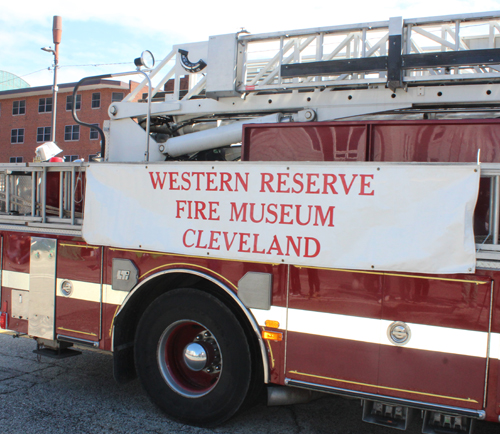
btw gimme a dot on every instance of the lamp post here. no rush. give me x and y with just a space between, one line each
56 35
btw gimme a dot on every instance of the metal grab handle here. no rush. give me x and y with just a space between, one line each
101 132
78 121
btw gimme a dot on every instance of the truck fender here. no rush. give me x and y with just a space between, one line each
138 299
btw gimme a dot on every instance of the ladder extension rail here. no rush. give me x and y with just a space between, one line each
396 53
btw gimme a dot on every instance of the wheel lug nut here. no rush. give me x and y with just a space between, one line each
207 334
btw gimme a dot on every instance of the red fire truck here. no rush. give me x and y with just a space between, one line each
315 211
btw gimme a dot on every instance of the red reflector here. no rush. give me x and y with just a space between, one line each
3 320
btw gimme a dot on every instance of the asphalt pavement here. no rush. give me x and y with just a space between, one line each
79 395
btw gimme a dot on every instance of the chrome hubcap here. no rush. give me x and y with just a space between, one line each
195 356
189 358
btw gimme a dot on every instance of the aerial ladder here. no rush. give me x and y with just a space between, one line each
420 67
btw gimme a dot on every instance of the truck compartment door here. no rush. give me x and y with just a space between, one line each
79 291
436 338
333 320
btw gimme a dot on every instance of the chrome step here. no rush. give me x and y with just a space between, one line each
380 413
440 423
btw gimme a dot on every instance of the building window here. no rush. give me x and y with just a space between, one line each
69 102
116 96
19 107
96 100
16 160
71 132
70 158
44 105
17 135
92 157
94 133
43 134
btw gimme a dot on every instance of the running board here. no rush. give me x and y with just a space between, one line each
448 410
61 353
54 349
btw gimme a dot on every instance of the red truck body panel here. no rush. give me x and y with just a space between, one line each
459 302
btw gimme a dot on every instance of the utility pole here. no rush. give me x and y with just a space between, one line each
56 36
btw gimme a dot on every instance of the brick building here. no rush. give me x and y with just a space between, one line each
26 119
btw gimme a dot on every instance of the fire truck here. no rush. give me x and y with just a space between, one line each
291 213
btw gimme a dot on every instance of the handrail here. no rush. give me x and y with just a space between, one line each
101 132
78 121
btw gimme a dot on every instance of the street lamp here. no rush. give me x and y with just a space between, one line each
56 35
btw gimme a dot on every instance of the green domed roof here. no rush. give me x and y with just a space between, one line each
10 81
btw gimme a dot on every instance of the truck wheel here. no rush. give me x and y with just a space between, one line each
192 357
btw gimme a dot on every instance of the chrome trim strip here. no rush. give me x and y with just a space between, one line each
250 317
78 341
47 229
487 265
496 211
43 187
101 293
476 414
488 346
287 310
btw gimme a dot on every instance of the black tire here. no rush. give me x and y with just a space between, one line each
197 396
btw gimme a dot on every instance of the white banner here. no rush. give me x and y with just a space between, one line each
365 216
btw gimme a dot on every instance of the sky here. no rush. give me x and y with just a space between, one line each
101 36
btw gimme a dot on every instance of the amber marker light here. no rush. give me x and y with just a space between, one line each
272 324
272 336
